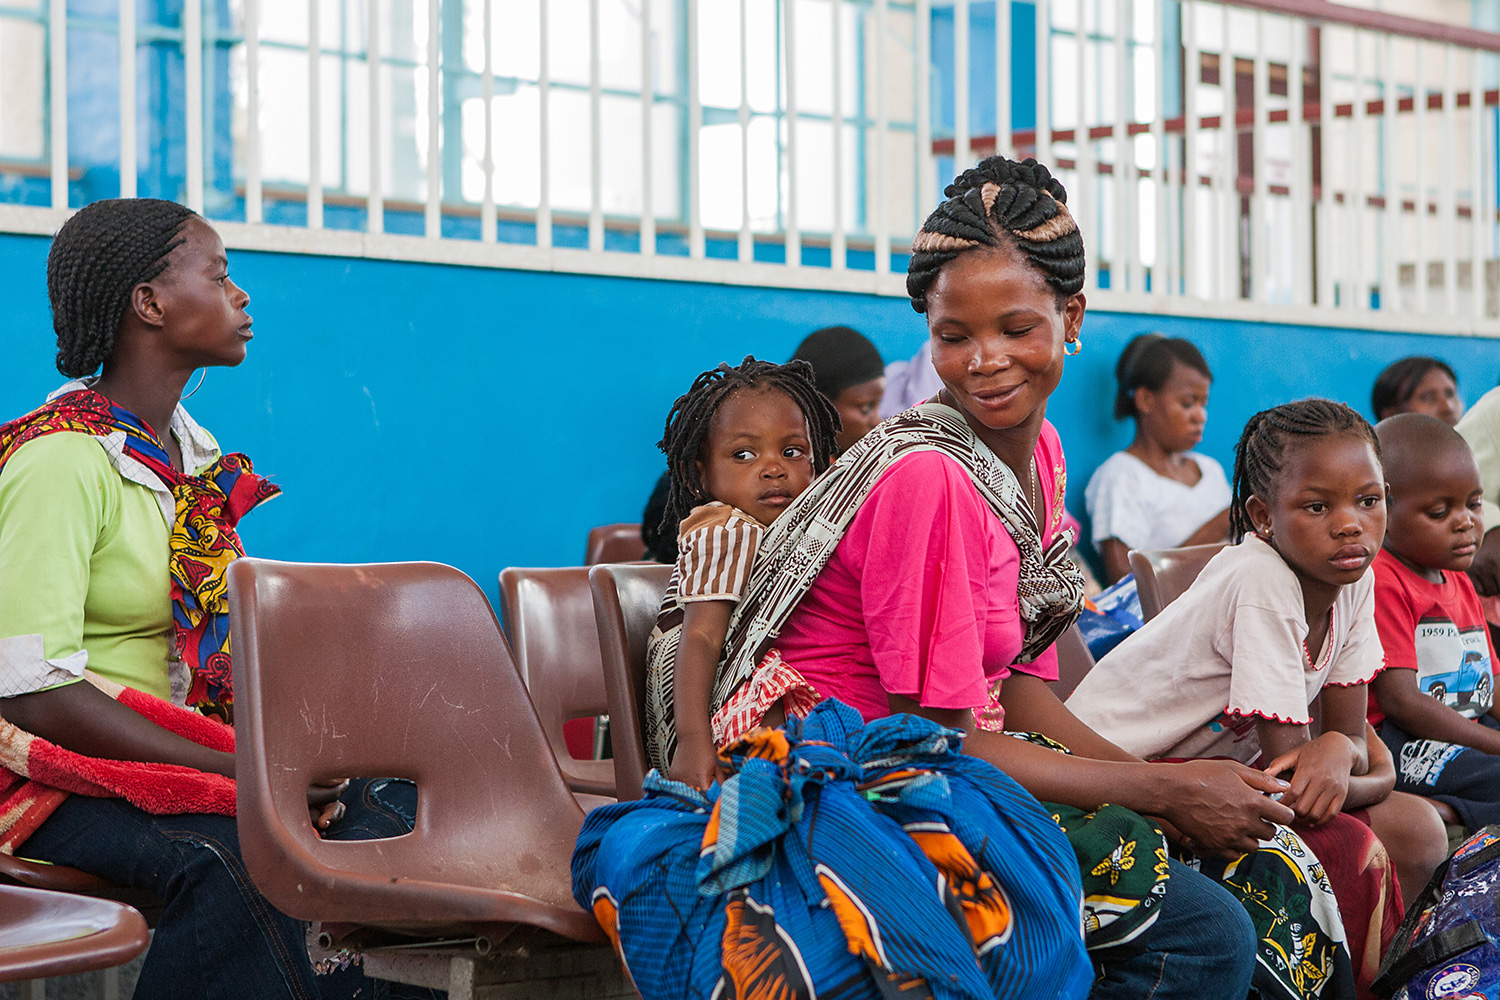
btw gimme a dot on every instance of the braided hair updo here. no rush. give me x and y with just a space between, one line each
691 416
97 258
1004 204
1261 452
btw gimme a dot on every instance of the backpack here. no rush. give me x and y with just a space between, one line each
1448 947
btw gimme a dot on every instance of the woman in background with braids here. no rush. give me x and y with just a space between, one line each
117 520
925 572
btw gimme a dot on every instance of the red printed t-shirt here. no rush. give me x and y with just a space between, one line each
1438 630
919 597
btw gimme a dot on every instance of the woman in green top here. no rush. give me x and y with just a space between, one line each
116 520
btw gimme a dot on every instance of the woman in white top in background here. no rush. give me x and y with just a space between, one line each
1157 493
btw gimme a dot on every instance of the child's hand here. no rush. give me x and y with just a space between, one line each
1320 776
696 762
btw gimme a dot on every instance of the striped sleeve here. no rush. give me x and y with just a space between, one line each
716 545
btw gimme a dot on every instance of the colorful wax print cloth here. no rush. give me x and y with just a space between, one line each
838 860
1122 857
1300 952
207 505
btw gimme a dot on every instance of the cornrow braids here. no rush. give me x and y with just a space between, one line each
98 256
1261 451
693 413
1005 204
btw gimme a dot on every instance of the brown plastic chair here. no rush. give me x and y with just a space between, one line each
614 543
626 600
1161 575
396 670
549 617
46 933
60 878
1074 661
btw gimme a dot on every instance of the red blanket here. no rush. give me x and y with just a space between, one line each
38 774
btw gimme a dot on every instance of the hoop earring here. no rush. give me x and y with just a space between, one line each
202 374
1077 344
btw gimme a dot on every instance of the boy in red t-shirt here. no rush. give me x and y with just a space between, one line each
1433 704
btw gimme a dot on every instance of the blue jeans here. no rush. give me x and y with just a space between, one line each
1202 945
217 938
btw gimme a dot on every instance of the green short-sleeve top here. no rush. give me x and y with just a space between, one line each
83 570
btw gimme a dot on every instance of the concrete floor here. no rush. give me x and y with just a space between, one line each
87 986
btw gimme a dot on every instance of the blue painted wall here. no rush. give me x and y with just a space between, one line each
488 418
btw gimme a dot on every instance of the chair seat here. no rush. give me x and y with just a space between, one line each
626 599
61 878
396 669
45 933
1161 575
549 619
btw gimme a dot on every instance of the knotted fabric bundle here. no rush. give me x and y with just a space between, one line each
838 859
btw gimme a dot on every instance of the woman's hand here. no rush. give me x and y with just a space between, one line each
1221 806
1320 776
696 761
323 802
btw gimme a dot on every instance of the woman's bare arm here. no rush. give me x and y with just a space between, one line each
1115 555
82 718
1031 707
1222 806
1215 529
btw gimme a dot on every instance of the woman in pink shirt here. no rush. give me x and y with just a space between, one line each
926 571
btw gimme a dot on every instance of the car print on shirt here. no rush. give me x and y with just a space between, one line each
1454 666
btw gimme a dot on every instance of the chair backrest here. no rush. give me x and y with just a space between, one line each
614 543
549 616
395 670
45 933
1161 575
626 601
1074 661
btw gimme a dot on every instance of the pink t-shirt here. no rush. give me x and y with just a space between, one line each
919 598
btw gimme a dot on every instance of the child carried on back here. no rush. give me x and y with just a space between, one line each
741 445
1433 705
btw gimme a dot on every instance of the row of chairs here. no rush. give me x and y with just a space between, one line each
579 636
397 670
401 670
